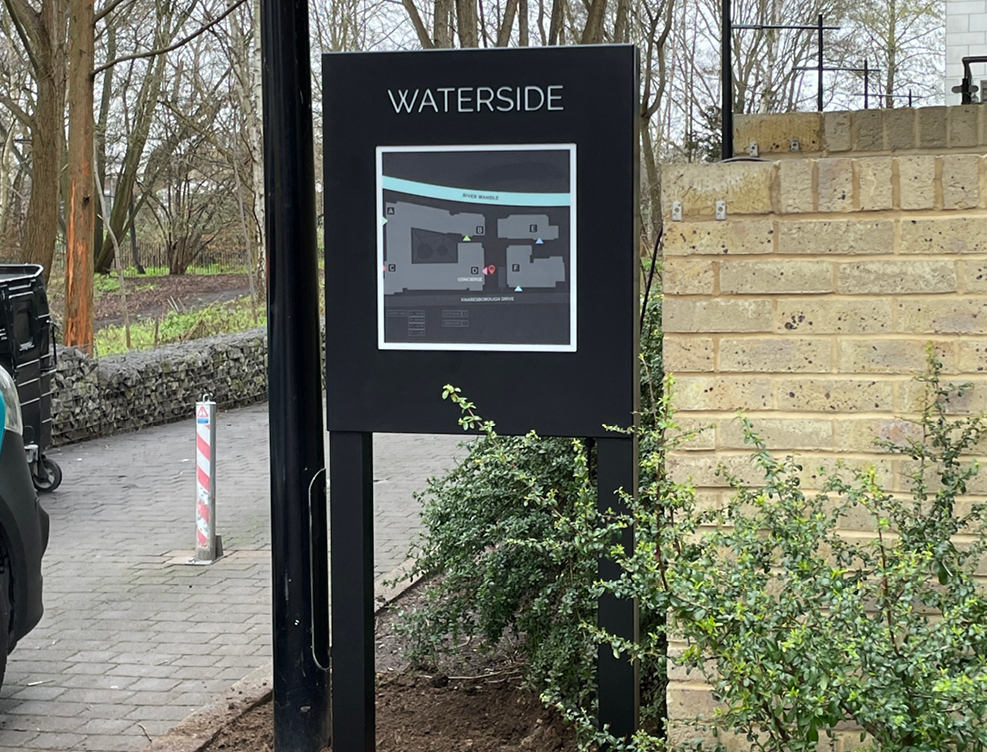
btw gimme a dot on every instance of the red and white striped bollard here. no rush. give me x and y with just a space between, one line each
208 545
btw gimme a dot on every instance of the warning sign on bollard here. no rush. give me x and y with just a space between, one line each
208 545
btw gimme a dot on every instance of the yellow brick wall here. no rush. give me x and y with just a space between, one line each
923 130
810 308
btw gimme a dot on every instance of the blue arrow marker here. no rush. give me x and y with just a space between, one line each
539 242
517 289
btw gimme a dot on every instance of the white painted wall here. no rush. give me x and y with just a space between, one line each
966 34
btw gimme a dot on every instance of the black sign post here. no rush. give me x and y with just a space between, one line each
481 231
298 500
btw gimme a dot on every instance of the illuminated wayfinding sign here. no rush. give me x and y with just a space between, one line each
481 231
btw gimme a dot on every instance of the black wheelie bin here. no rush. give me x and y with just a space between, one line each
27 351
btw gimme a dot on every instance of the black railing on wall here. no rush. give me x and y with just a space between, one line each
820 68
967 90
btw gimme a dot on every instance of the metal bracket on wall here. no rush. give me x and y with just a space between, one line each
794 145
753 150
721 211
676 211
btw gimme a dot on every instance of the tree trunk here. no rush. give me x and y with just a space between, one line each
555 22
652 176
593 31
6 171
466 15
147 101
440 24
81 207
892 44
133 239
255 143
45 37
504 33
100 136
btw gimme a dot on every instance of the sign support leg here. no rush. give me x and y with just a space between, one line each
618 678
351 486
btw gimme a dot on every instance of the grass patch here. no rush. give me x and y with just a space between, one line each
181 326
109 284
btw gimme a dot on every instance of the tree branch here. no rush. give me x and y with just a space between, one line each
16 111
24 16
107 10
416 21
175 46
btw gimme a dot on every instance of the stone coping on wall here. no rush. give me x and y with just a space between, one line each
940 130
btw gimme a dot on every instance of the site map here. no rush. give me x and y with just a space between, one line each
476 248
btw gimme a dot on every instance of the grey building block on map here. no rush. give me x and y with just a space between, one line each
527 227
463 273
539 272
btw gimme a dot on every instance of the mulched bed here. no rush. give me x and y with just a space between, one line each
474 701
415 714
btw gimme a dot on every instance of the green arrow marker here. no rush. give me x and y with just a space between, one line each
466 238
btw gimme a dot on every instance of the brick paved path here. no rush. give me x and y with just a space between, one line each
133 640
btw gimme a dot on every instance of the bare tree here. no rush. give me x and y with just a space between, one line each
41 30
905 40
15 125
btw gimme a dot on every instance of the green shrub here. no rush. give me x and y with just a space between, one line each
515 533
479 521
800 629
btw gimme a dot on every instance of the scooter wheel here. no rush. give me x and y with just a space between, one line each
50 476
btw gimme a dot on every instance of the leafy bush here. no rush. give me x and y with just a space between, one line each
514 530
799 628
510 490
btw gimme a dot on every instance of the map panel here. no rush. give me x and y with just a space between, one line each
476 248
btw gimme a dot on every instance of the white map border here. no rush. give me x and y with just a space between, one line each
494 346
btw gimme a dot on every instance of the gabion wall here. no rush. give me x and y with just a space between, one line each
121 393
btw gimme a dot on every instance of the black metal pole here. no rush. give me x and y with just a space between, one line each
819 93
617 464
967 85
726 80
866 84
352 488
298 523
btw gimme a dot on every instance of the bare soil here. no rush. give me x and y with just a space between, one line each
153 297
474 701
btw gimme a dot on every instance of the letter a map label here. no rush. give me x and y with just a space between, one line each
477 247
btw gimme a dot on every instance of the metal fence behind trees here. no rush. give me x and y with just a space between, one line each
154 255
